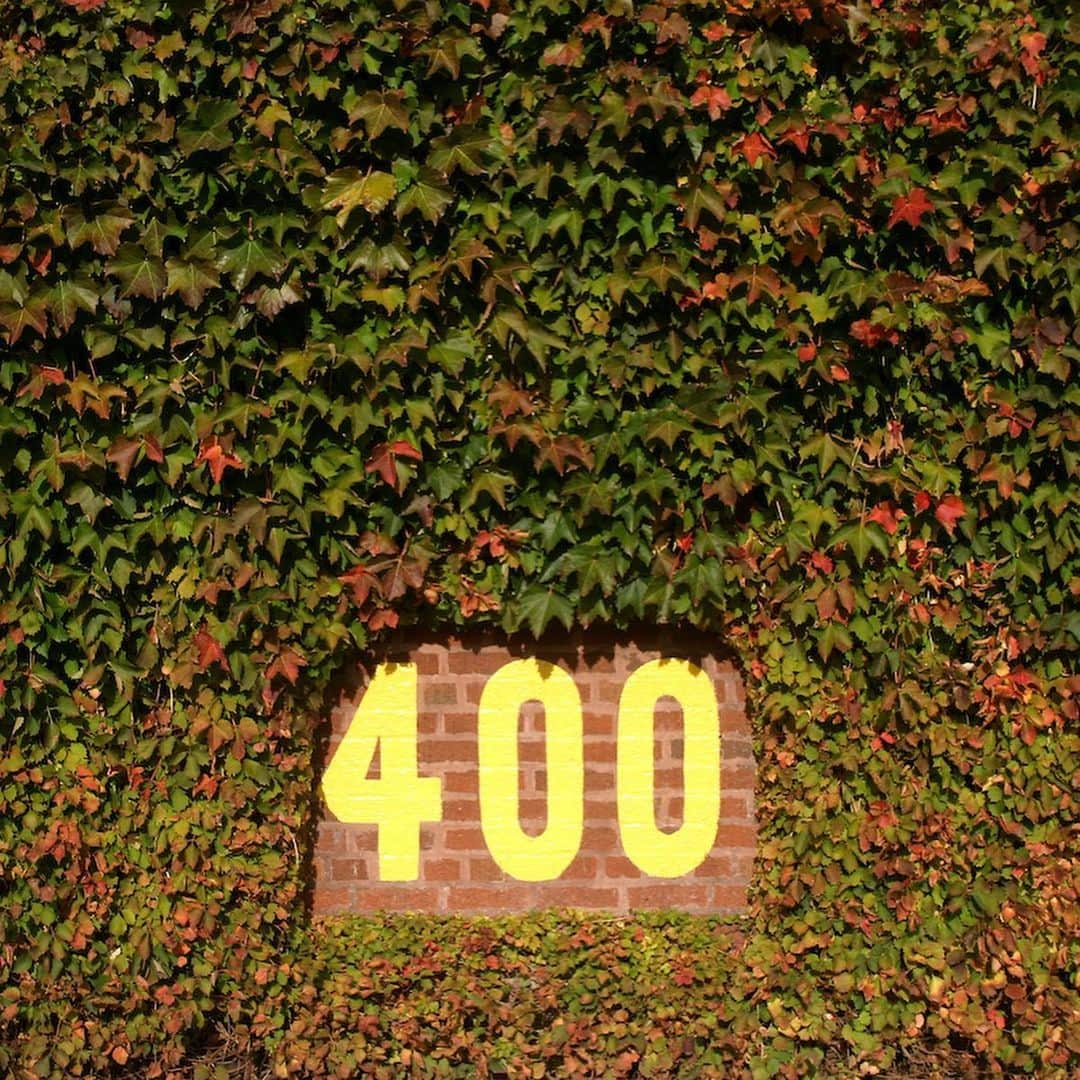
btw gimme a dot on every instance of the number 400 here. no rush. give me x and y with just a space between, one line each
400 800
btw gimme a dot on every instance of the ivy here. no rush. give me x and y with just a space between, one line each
321 319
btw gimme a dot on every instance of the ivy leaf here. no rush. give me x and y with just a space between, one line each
250 258
428 194
102 231
667 429
69 296
122 454
140 273
949 511
911 208
191 280
538 606
209 650
862 538
347 189
208 128
834 636
378 111
754 146
703 196
464 148
15 318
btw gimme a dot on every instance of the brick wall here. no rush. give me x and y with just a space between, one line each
457 874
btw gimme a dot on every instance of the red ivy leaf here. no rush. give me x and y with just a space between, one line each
214 453
404 449
383 617
361 581
754 147
153 449
287 663
714 98
910 208
949 511
887 515
209 651
797 136
922 502
384 460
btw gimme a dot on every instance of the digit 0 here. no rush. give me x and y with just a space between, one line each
543 857
652 851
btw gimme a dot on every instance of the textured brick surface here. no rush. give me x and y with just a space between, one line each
457 873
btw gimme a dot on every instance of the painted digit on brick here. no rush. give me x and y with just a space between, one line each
544 857
400 800
654 852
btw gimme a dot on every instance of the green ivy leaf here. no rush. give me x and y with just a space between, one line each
537 607
139 271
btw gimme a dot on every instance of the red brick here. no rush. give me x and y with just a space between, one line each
464 840
599 838
717 866
363 838
584 868
490 898
736 776
485 869
441 692
598 723
729 897
581 896
397 898
332 898
619 866
348 870
462 782
600 752
443 870
668 779
459 723
427 663
332 838
736 836
737 749
607 690
460 810
532 750
673 894
474 663
450 750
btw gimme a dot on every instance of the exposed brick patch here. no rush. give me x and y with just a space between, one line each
458 874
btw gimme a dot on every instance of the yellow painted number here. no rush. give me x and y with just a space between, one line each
543 857
400 799
655 852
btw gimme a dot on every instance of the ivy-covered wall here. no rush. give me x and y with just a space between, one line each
323 317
